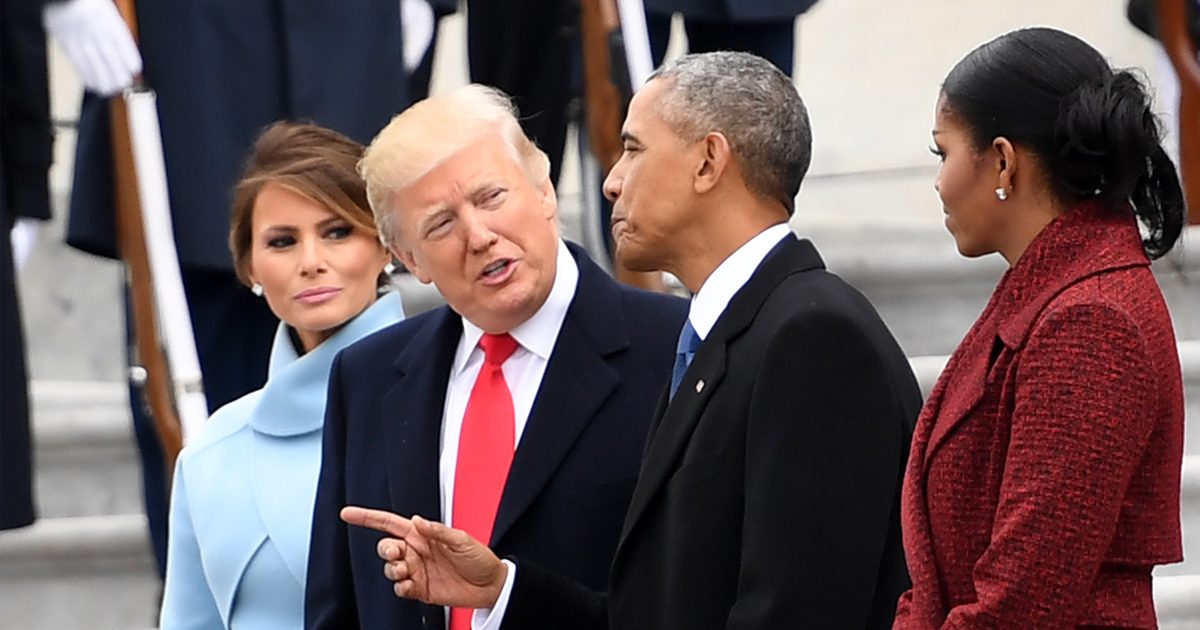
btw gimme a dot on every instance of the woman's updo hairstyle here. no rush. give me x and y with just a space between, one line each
1090 127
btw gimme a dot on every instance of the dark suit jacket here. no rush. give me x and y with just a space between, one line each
769 493
527 49
572 474
1044 479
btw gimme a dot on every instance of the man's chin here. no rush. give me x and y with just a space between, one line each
634 260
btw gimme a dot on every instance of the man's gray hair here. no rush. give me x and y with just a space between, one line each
753 104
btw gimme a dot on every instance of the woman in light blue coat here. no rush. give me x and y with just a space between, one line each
303 238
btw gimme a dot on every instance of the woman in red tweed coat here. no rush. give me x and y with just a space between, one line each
1043 482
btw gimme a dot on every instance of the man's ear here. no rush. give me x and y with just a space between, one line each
715 157
1007 161
410 262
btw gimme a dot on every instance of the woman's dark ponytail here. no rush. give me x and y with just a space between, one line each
1110 147
1158 202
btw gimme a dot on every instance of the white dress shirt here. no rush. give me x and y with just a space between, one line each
707 305
729 277
523 373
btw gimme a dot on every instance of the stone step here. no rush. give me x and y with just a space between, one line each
78 572
1190 512
85 456
1177 602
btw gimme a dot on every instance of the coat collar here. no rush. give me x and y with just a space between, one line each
1081 242
673 425
293 400
578 379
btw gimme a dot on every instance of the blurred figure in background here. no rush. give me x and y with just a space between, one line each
529 50
763 27
25 155
1143 15
1043 485
421 20
303 238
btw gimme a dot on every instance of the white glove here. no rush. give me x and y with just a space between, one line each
97 41
24 235
416 18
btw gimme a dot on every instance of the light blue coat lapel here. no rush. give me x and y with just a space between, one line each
214 482
284 478
293 400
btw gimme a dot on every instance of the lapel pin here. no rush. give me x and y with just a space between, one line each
699 386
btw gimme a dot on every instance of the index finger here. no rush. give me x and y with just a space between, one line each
379 520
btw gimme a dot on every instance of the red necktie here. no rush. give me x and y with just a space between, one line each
485 451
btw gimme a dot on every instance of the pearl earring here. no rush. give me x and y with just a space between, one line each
1001 194
257 289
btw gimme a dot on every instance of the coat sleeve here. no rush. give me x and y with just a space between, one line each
825 447
541 599
329 601
1084 392
187 599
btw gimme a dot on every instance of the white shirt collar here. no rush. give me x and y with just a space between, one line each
725 281
538 333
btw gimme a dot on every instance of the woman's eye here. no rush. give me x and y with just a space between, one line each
941 155
339 232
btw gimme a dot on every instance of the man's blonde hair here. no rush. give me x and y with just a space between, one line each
428 133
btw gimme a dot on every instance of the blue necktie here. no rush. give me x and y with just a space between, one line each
685 351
